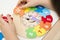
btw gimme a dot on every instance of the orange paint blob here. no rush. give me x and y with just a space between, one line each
19 11
46 25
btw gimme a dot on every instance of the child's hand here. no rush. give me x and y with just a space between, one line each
8 29
30 3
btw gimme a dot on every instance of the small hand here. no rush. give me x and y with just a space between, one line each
8 29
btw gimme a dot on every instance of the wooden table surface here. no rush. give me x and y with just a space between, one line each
54 33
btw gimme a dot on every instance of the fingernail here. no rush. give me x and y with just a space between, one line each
23 2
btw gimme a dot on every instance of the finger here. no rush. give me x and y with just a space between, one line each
2 20
9 19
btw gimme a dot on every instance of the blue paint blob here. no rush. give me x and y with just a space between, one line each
46 11
39 8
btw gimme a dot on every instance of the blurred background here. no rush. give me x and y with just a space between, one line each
6 6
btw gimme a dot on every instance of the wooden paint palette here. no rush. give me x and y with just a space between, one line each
35 22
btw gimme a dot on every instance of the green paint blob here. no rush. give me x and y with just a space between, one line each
30 33
33 8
